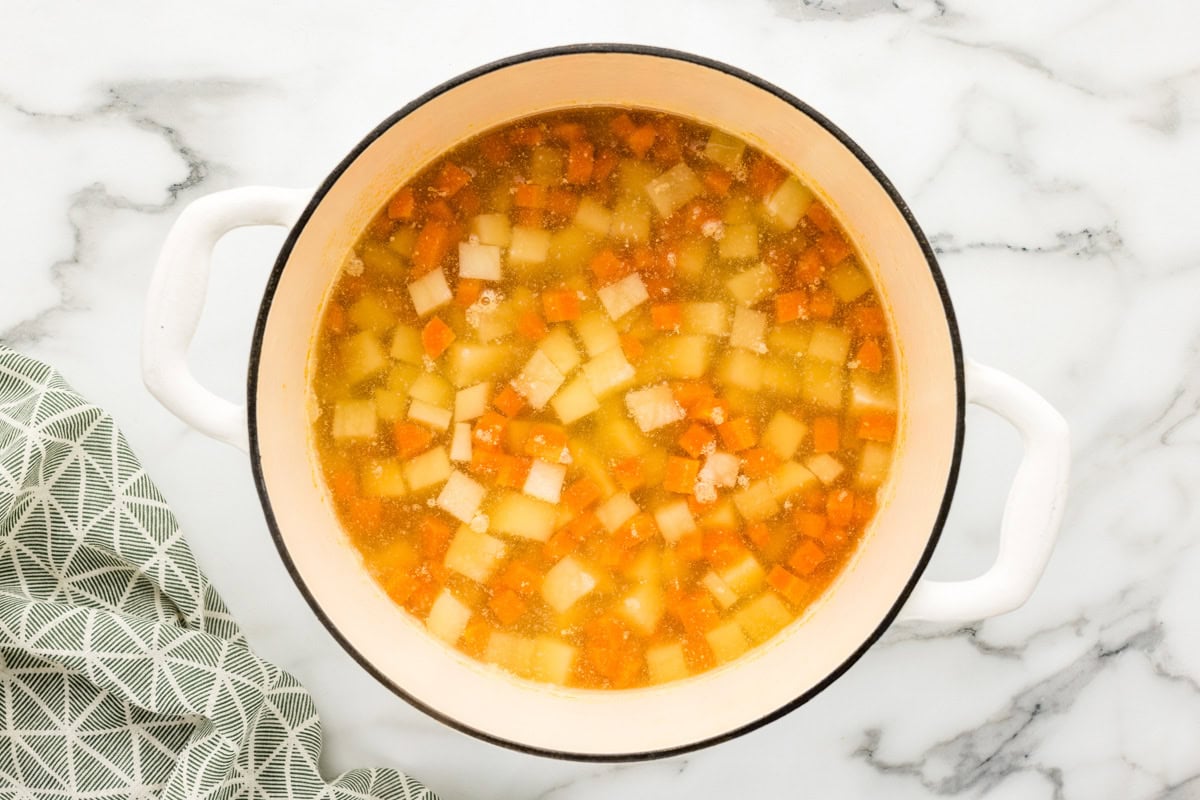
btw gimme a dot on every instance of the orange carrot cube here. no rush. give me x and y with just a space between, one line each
402 205
561 305
826 437
807 556
696 440
877 426
436 336
738 434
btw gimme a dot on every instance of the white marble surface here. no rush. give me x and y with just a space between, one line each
1049 150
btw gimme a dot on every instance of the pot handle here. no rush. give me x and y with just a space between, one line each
1032 514
176 299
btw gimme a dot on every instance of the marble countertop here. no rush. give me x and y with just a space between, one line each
1051 153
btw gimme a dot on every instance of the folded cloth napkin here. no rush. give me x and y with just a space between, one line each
122 673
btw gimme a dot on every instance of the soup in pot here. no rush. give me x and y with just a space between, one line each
604 397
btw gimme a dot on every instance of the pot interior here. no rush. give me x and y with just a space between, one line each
639 722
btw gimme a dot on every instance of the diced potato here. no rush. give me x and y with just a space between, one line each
383 478
674 520
666 662
829 343
633 175
782 378
749 330
608 372
708 319
516 514
783 434
742 369
493 229
616 511
528 246
673 188
492 319
538 380
570 248
565 583
430 292
354 419
623 296
848 282
740 242
738 210
692 260
389 405
468 363
514 653
646 567
406 346
757 501
552 660
593 217
790 339
721 591
370 314
429 414
479 261
873 464
403 240
724 149
430 388
788 203
789 478
474 554
471 402
461 497
546 165
653 407
619 437
763 617
591 464
721 469
683 356
448 617
744 575
545 481
574 401
870 394
427 469
752 285
724 515
401 378
380 259
630 222
597 333
643 607
362 356
825 467
560 348
460 443
824 383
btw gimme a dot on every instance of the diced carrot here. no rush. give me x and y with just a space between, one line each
700 508
519 577
641 139
821 304
628 473
694 610
696 440
723 547
622 125
714 410
666 316
839 507
688 393
495 150
467 292
567 538
513 471
440 210
690 546
509 401
764 176
820 217
561 203
607 266
632 347
581 494
606 161
568 131
864 509
667 151
809 524
475 637
810 267
868 320
759 462
698 653
877 426
794 590
659 288
717 181
366 513
381 226
758 534
530 195
531 326
402 205
738 434
529 217
869 356
619 549
612 652
681 474
507 606
410 439
833 248
486 462
468 202
580 161
489 430
451 179
548 442
826 435
790 306
434 535
561 305
812 499
807 556
343 483
436 336
431 247
526 136
335 318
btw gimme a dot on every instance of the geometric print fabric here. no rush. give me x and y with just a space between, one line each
122 674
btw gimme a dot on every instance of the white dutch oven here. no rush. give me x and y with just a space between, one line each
881 586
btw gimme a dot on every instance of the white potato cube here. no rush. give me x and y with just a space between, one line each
597 333
653 407
471 402
824 382
666 662
560 348
514 653
593 217
707 319
354 419
545 481
623 296
538 380
783 434
461 497
575 401
492 229
873 464
825 467
742 369
674 520
529 246
383 478
448 617
673 188
429 414
684 356
479 261
552 660
474 554
630 222
430 388
430 292
869 393
739 242
757 501
749 330
565 583
789 478
721 592
616 511
362 356
406 346
643 607
763 617
724 149
720 469
744 575
608 372
727 641
790 339
848 282
518 515
829 343
752 285
427 469
468 363
369 313
460 442
788 203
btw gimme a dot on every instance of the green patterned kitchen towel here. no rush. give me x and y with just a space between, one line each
122 674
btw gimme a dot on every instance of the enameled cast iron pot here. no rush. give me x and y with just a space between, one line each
881 586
